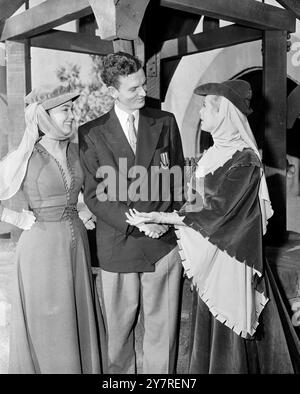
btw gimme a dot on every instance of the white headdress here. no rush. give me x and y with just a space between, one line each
14 166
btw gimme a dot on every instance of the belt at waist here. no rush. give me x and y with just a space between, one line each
55 214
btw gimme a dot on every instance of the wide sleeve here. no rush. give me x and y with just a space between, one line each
231 217
111 212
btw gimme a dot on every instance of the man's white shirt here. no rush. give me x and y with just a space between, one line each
123 118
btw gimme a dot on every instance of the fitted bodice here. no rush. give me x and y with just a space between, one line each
45 185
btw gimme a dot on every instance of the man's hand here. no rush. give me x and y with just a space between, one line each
90 224
153 230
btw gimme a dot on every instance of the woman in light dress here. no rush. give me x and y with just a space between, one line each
56 322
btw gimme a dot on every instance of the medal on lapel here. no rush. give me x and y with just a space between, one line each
164 160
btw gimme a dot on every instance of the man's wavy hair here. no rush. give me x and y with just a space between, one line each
116 65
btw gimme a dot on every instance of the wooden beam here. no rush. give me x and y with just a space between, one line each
153 81
291 5
18 70
72 42
275 72
212 39
139 49
274 149
8 7
130 14
210 23
119 18
45 16
248 12
87 25
105 14
17 64
123 46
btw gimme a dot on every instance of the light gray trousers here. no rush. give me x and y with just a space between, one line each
157 295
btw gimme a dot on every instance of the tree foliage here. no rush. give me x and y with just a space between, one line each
94 100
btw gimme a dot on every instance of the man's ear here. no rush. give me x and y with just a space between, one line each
113 92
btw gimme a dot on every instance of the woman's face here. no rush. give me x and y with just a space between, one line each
209 113
63 117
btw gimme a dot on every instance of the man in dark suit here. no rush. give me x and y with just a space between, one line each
128 156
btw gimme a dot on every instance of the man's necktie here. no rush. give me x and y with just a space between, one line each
132 132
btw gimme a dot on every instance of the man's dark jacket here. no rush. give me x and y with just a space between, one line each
102 142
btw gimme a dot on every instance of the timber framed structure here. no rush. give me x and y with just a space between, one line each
160 33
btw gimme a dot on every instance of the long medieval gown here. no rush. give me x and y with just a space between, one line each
56 322
240 324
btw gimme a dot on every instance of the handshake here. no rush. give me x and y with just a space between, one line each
152 230
153 224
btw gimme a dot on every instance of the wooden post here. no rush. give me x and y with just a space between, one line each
274 151
150 36
153 81
18 79
139 49
87 25
4 124
120 45
27 59
16 90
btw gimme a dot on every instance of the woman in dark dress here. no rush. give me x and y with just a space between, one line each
239 322
56 323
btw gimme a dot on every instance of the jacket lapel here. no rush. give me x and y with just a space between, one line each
148 134
149 130
116 139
